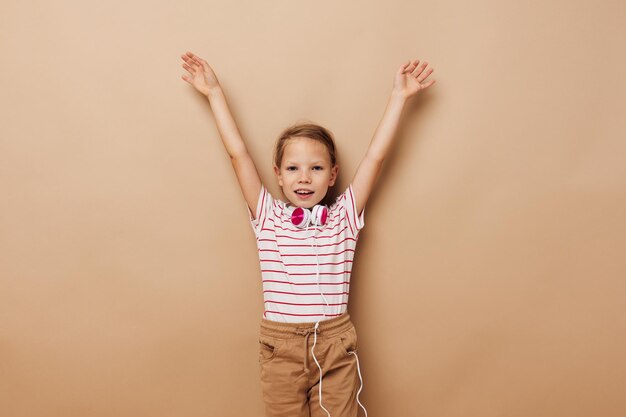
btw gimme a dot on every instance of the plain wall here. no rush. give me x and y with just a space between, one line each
489 277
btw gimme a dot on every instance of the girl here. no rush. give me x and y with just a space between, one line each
306 249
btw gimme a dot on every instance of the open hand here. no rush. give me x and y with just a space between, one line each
411 79
201 76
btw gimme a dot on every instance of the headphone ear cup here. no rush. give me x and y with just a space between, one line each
319 215
301 217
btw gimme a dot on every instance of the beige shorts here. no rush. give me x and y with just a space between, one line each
290 377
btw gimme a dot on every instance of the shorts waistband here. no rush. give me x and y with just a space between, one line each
328 327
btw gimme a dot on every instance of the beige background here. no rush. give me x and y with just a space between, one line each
489 279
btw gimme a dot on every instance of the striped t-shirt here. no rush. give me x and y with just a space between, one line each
288 259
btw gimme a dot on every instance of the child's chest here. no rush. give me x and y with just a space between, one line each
304 245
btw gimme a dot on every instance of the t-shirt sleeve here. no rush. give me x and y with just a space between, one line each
263 208
356 221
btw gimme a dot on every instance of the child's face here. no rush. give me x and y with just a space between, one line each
305 165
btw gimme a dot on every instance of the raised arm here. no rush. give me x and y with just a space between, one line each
203 79
409 80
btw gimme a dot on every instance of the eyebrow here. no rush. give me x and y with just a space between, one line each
295 163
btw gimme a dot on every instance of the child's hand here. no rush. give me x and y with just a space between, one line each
410 79
202 76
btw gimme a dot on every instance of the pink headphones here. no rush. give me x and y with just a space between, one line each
303 217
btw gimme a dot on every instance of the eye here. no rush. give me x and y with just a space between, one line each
320 168
289 168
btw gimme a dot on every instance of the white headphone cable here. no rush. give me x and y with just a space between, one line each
315 341
318 322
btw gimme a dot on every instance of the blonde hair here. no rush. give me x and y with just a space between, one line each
307 130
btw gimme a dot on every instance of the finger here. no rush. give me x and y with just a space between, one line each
205 65
403 67
418 70
197 60
190 69
413 66
195 65
184 77
189 60
188 56
200 65
185 58
194 59
425 75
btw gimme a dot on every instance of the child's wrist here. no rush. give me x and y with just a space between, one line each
398 96
211 91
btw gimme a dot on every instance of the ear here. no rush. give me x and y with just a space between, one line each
334 172
279 177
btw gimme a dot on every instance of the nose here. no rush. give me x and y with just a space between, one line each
305 177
